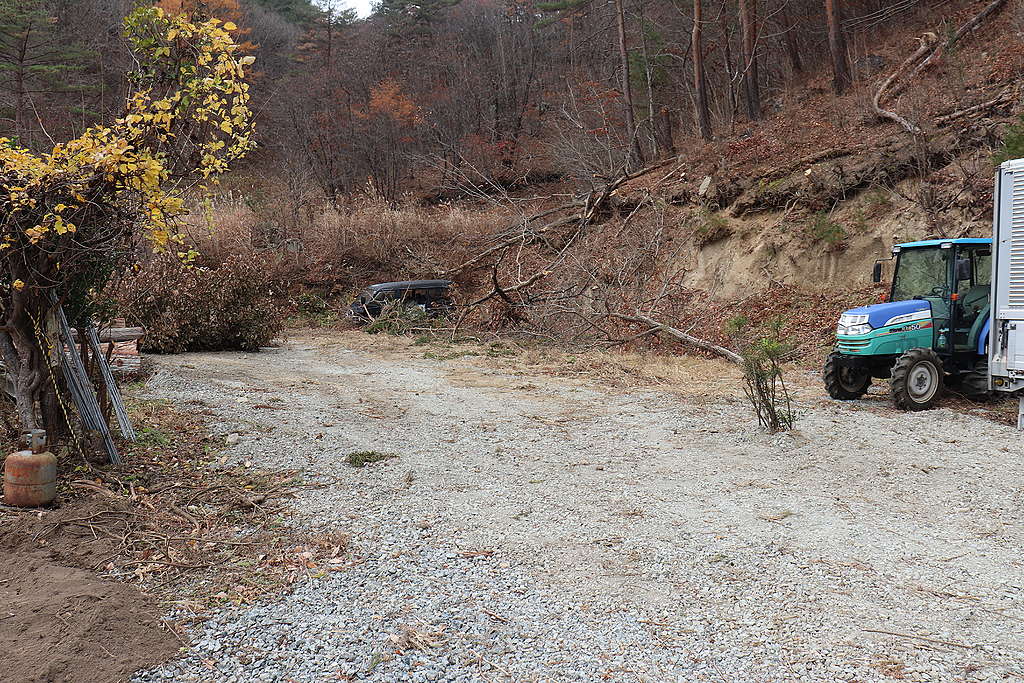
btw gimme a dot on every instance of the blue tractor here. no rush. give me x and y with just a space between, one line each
932 331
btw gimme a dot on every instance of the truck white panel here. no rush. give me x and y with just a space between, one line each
1006 338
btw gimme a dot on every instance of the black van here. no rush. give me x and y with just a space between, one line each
430 296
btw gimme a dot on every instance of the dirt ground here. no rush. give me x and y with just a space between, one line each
884 542
104 581
60 623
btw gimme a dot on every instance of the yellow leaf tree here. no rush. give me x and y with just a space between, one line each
73 218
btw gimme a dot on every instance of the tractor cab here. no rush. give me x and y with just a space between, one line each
935 323
955 278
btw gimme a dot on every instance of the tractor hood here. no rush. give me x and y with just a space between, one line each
880 314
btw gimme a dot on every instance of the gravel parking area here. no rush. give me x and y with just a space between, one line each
534 528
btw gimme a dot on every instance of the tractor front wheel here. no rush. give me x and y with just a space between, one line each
844 383
917 380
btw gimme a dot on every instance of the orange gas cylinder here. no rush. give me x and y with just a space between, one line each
30 475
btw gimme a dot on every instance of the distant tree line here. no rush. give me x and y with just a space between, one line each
462 91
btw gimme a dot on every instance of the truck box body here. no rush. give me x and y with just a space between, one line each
1006 335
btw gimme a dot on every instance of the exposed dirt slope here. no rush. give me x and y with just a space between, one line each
811 195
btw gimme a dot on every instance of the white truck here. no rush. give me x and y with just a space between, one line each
1006 338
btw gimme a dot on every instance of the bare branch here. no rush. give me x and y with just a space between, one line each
682 336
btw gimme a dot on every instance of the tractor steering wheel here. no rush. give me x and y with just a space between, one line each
939 291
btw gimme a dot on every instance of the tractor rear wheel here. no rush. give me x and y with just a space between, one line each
844 383
974 382
917 380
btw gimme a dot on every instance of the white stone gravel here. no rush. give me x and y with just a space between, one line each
540 529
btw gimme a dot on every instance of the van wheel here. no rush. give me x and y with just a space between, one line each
917 380
844 383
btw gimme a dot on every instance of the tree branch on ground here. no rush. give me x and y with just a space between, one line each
929 50
656 326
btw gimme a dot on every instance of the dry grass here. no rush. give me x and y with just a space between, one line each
320 244
690 376
418 636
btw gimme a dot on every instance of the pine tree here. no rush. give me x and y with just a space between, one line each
700 84
841 78
1013 143
748 50
35 63
403 14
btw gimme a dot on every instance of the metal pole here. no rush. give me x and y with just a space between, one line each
108 379
82 391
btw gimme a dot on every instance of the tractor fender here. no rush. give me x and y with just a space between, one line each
983 336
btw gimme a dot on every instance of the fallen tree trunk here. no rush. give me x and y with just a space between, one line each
939 49
927 40
1006 96
656 326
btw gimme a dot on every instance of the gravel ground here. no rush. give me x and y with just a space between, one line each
544 529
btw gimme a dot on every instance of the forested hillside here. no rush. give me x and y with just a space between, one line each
534 151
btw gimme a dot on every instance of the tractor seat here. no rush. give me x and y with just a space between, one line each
975 309
975 300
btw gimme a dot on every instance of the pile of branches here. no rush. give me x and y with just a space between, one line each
522 258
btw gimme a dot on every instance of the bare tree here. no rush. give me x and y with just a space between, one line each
748 46
841 78
789 38
700 85
627 91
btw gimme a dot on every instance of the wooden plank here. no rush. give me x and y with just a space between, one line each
116 334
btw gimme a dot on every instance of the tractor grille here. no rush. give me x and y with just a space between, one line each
851 346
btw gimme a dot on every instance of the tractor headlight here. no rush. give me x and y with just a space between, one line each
853 330
851 325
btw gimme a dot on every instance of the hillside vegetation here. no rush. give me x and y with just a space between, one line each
567 161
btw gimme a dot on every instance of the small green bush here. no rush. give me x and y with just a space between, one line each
710 227
859 221
397 318
763 351
315 309
735 325
878 202
150 436
821 228
231 307
1013 143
